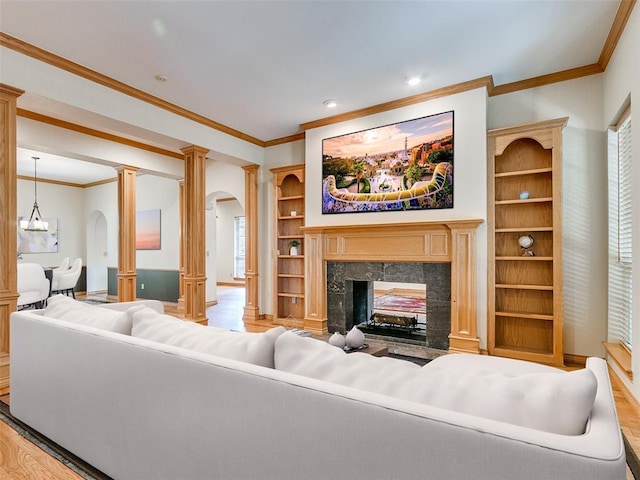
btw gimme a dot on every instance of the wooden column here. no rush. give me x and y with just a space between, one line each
8 222
251 309
182 246
464 335
194 233
127 233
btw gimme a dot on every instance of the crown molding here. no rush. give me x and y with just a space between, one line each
59 62
617 28
96 133
486 82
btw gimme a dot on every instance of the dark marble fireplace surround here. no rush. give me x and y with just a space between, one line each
436 276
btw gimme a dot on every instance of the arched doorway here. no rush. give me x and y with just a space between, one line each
97 252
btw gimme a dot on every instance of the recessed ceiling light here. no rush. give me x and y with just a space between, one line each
413 81
331 103
161 78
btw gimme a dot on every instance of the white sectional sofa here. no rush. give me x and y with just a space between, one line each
136 408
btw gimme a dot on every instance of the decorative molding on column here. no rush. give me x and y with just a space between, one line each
8 225
251 308
463 336
127 233
194 233
182 246
315 316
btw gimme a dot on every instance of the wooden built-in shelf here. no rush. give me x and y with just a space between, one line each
524 287
524 201
523 229
288 269
525 292
519 173
290 198
523 258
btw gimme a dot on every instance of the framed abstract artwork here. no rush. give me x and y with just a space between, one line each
148 230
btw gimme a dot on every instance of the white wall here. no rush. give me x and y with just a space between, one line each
470 176
621 82
584 234
58 202
153 192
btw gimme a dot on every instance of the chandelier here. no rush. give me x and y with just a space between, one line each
35 222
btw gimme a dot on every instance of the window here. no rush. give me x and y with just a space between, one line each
238 247
620 232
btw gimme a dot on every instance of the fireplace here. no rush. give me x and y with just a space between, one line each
442 249
350 300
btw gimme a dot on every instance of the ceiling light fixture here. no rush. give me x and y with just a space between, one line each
35 222
331 103
161 78
413 81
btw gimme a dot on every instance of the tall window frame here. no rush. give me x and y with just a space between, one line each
239 245
620 273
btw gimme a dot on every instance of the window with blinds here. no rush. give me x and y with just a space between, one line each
620 232
238 247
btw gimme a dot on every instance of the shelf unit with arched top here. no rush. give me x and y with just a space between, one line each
525 312
288 306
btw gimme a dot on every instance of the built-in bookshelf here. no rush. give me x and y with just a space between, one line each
289 263
525 311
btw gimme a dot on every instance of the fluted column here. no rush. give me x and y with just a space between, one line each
251 308
8 222
127 233
194 233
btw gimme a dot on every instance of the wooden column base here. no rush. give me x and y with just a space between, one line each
316 326
4 370
463 344
127 287
195 299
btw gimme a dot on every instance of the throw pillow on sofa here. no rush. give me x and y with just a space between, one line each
255 348
510 391
66 308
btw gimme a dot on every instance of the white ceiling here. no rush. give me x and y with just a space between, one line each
265 67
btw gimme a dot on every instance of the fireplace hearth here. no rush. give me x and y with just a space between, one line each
350 299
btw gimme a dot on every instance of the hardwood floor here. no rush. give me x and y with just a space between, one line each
22 460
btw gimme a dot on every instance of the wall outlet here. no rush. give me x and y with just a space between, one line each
142 286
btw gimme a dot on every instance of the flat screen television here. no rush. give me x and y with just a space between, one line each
402 166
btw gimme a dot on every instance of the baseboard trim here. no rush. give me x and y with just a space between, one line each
615 379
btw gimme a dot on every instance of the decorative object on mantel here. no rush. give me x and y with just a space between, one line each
355 338
293 247
526 242
524 195
35 222
337 340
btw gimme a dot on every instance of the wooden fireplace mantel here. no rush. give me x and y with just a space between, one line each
451 242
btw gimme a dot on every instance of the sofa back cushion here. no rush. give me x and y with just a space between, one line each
66 308
510 391
255 348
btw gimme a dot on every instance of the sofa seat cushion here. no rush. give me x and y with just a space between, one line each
66 308
510 391
255 348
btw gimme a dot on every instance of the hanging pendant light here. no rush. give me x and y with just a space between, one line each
35 222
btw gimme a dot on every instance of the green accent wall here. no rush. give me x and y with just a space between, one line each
163 285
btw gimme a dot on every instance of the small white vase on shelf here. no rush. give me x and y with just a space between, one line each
355 338
293 250
337 340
